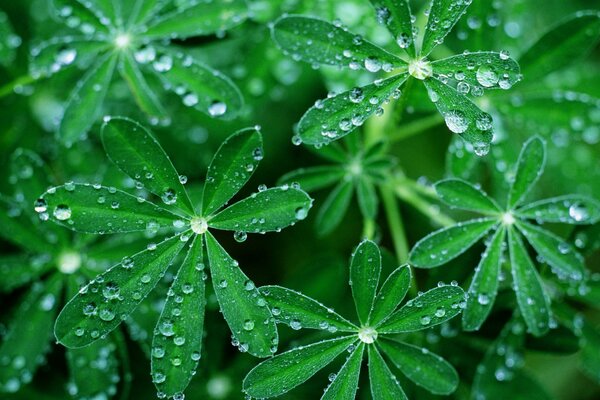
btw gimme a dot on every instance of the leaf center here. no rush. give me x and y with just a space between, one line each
122 40
367 335
199 225
69 262
508 219
420 69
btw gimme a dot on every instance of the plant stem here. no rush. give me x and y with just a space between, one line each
20 81
415 127
368 228
431 211
395 223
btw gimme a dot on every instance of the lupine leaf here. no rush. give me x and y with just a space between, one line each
29 175
564 260
137 153
345 383
570 209
367 197
532 299
96 209
29 334
316 41
443 245
384 385
461 115
429 309
231 167
365 269
8 41
529 168
269 210
314 178
484 286
335 117
85 102
97 309
54 55
177 343
424 368
442 17
565 43
142 93
461 194
16 227
84 16
285 371
143 10
396 15
201 87
18 269
243 307
300 311
335 206
203 18
391 294
486 69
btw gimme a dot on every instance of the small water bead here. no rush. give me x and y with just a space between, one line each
487 76
158 377
481 149
248 325
440 312
578 212
295 324
199 225
456 121
169 197
367 335
372 64
463 87
356 95
111 291
62 212
145 278
483 299
420 69
301 213
166 328
425 320
40 205
195 356
240 236
145 55
106 314
257 154
484 122
151 246
190 99
176 361
158 352
179 340
163 64
127 263
404 41
66 56
217 108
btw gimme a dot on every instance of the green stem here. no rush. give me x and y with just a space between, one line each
415 127
9 88
395 223
368 228
431 211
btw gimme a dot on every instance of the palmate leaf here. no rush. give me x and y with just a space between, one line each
266 211
442 17
300 311
367 197
85 16
421 366
84 104
533 301
391 294
461 194
384 385
529 168
396 15
429 309
335 206
335 117
569 209
29 334
142 10
199 18
243 307
231 167
99 209
17 270
345 383
443 245
484 286
461 115
103 303
563 44
365 269
316 41
314 178
285 371
136 152
178 339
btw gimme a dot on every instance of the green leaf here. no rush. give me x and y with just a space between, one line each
178 334
142 93
429 309
18 269
199 86
461 115
285 371
562 257
17 227
396 16
231 167
384 385
335 117
461 194
84 16
137 153
242 305
365 269
442 17
202 18
270 210
443 245
484 286
570 209
85 102
98 309
302 312
143 10
334 208
314 178
100 209
424 368
345 383
8 41
486 69
367 197
316 41
529 168
563 44
533 301
29 176
29 333
391 294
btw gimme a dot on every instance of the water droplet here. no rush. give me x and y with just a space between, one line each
111 291
486 76
456 121
425 320
169 197
295 324
356 95
62 212
372 64
217 108
240 236
578 212
40 206
248 325
403 40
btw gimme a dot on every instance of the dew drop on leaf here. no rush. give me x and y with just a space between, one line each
62 212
